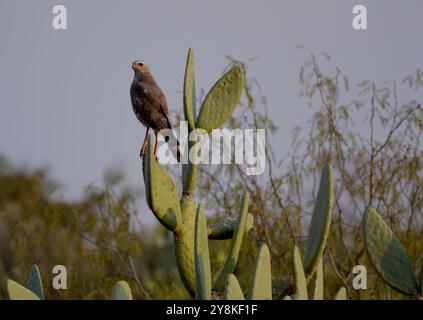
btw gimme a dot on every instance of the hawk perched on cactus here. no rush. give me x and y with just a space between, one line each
150 106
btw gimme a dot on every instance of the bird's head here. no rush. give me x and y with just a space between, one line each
140 67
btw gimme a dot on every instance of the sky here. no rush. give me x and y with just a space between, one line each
64 94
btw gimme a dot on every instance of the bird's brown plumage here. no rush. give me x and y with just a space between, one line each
148 101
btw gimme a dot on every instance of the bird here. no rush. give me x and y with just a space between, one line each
150 106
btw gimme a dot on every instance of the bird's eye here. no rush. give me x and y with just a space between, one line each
141 64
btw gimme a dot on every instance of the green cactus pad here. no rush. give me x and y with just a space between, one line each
189 91
221 100
121 291
233 290
202 258
35 283
320 223
15 291
224 229
319 284
232 257
262 279
341 294
299 276
387 254
189 175
161 194
184 243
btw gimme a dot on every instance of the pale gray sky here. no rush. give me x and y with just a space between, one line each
64 95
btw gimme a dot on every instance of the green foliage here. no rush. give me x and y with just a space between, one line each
99 233
341 294
224 229
301 292
35 283
232 257
184 243
189 170
221 100
16 291
233 290
319 282
34 290
383 169
320 223
179 215
189 91
388 255
189 175
121 291
262 279
161 194
299 276
202 258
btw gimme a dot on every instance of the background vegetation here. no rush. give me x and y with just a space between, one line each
101 240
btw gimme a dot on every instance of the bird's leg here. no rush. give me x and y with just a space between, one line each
144 145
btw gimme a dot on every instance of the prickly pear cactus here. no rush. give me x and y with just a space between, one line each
224 229
299 276
16 291
189 91
221 100
233 290
320 223
178 213
232 257
261 288
201 253
341 294
387 254
121 291
262 279
161 194
33 291
35 283
202 259
301 292
319 282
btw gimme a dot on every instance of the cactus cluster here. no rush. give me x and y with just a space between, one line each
261 288
301 292
181 215
187 221
34 289
178 213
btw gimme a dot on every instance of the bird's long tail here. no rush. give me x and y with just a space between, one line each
174 147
